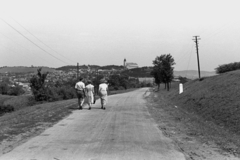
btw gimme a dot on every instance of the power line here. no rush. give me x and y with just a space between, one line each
23 47
182 53
189 60
41 41
218 30
13 51
32 41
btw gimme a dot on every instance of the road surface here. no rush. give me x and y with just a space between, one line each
125 130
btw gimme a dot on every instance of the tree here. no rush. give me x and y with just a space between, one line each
157 76
38 87
119 81
15 90
163 70
124 81
4 85
96 82
4 88
9 88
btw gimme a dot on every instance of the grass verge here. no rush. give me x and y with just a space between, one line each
18 126
193 133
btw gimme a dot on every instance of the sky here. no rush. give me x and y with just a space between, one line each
57 33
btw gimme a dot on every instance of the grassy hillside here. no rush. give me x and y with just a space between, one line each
214 98
25 69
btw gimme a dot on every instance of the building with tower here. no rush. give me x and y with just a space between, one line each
129 65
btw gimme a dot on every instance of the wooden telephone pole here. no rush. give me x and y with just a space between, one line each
77 71
196 41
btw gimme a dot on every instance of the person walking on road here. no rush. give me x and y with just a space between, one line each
89 93
80 90
103 88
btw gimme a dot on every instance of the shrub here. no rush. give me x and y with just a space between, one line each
4 88
6 108
38 86
52 94
111 88
66 92
15 91
60 93
146 84
121 88
227 67
115 87
183 79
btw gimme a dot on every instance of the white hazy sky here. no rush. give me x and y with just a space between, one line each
56 33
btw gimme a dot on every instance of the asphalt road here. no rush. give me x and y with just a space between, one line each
125 130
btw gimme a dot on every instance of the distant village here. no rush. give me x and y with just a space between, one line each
22 77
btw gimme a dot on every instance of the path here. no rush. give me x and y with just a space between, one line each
125 130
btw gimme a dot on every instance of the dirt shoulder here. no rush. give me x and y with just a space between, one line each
194 136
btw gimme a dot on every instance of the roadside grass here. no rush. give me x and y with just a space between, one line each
3 98
185 127
215 99
19 102
18 126
208 110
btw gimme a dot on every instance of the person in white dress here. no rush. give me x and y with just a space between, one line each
90 94
103 88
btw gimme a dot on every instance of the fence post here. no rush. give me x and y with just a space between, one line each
180 88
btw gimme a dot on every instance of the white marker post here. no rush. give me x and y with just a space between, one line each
180 88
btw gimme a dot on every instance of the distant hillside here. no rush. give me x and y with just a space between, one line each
142 71
215 98
110 67
25 69
67 68
193 74
107 67
145 72
136 72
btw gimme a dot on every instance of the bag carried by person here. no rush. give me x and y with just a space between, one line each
94 99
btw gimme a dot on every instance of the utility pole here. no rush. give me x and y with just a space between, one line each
77 71
196 41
